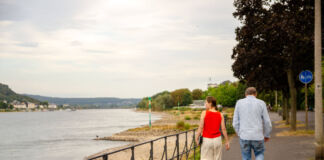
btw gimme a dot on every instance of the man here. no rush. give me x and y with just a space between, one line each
252 124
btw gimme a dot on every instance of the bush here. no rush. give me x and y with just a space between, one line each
184 108
196 117
225 116
230 129
182 112
180 124
187 126
187 118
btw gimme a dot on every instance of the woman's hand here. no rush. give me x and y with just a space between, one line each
227 146
197 140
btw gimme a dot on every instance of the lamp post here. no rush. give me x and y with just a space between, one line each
150 124
319 147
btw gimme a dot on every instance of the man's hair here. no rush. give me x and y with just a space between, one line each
212 100
250 91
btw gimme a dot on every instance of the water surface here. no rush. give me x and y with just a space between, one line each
63 134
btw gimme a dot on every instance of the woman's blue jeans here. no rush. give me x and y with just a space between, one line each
248 145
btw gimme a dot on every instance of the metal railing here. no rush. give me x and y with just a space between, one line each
177 154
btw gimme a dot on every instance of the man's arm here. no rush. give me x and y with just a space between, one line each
236 119
267 126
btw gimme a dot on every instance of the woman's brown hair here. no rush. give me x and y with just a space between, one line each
212 100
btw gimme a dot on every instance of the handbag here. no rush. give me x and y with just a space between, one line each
200 140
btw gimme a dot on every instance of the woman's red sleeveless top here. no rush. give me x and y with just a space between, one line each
212 124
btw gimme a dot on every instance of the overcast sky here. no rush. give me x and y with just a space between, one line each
114 48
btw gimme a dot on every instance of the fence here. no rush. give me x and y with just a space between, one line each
180 151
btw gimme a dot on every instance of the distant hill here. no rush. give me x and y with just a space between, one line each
104 102
9 95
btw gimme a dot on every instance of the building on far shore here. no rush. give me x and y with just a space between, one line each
20 105
31 105
52 106
41 106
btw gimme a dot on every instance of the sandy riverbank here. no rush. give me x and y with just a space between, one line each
165 126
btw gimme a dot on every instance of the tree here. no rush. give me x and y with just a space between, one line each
163 101
182 96
227 94
274 43
143 103
197 94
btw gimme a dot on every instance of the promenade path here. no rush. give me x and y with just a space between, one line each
280 148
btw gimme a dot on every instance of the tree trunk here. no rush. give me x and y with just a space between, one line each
286 106
293 98
284 110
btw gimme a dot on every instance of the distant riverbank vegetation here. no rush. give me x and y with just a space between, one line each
227 93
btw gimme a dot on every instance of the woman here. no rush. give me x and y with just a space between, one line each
210 122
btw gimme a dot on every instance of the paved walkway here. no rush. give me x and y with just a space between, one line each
278 148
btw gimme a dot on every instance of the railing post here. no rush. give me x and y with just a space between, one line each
177 143
151 153
186 145
105 157
194 143
166 148
133 156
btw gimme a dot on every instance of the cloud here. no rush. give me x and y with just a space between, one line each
28 44
123 48
76 43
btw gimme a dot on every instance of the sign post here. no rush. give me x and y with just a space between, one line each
178 102
306 77
150 124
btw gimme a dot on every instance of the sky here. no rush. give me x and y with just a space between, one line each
114 48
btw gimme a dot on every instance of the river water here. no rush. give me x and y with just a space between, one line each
64 135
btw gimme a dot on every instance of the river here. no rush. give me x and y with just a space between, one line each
64 135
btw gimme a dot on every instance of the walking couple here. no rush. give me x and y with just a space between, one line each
251 122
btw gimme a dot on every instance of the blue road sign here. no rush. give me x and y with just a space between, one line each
306 76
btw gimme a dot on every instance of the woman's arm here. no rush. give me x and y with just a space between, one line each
201 126
224 132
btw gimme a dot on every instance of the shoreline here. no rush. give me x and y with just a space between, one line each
166 125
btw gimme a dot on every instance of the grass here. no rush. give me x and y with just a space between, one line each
187 126
180 124
281 122
154 127
197 117
288 126
187 117
228 110
191 156
296 133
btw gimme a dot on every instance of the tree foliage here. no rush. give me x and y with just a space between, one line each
182 96
227 94
275 43
160 101
5 105
197 94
